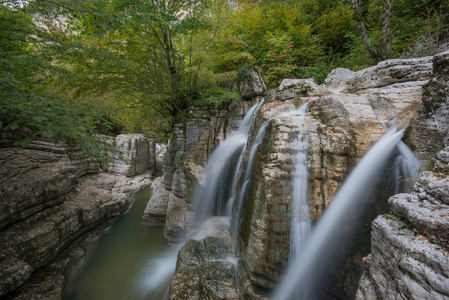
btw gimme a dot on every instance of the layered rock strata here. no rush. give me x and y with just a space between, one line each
132 154
429 128
346 118
50 197
409 247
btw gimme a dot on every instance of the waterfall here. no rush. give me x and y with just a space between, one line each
300 223
304 274
209 199
407 168
215 190
247 175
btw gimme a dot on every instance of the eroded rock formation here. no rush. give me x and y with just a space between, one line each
50 199
409 247
346 118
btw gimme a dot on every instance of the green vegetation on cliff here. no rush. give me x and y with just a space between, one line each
76 68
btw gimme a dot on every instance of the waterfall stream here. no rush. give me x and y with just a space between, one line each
300 228
211 198
303 275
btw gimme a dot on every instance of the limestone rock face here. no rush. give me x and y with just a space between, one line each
137 151
429 129
346 117
156 209
256 87
409 250
46 204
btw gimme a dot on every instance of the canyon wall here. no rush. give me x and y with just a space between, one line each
51 197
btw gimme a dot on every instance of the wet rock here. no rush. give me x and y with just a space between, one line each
342 125
186 155
13 273
205 268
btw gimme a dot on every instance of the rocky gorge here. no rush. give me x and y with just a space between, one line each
52 198
347 115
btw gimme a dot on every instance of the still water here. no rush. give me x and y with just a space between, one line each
116 261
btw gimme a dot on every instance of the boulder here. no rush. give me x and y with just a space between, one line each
206 267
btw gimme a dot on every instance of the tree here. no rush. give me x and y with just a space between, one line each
385 29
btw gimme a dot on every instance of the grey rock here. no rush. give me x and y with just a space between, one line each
133 154
429 129
156 209
47 205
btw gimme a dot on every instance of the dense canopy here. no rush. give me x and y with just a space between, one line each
73 69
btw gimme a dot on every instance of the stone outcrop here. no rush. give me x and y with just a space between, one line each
204 269
156 210
133 154
409 247
345 119
186 155
429 129
409 250
51 197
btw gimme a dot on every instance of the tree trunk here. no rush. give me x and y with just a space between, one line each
385 26
362 29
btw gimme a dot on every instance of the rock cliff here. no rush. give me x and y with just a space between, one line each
184 160
409 246
50 199
347 116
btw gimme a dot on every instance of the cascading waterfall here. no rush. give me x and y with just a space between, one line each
247 175
304 274
407 168
214 194
208 200
300 224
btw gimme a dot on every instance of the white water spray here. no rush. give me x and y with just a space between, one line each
304 274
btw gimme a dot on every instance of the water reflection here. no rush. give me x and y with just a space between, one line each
115 261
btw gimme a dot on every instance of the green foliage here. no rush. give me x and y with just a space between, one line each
403 222
244 75
216 97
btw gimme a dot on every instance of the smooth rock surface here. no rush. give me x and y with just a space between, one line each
156 210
